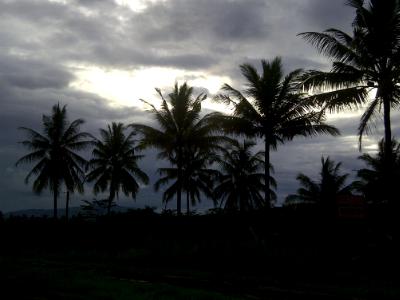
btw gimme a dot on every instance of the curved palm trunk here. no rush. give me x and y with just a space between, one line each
267 173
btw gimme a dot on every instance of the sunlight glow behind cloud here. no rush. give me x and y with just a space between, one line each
126 88
137 5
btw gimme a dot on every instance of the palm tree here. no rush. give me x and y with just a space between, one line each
276 110
181 127
242 181
54 150
367 60
325 191
198 178
114 164
379 182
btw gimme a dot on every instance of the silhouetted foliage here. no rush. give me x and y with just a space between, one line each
182 128
54 150
323 192
94 208
114 164
379 181
197 180
366 60
275 110
168 212
241 185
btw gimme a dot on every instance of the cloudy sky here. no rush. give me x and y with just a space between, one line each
99 57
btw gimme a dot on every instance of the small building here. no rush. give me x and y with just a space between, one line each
351 207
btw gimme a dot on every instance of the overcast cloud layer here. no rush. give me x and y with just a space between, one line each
44 45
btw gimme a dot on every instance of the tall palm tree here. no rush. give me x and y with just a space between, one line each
114 164
55 151
181 127
242 181
275 109
323 192
379 181
367 60
198 178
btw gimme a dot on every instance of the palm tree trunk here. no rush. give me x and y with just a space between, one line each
179 191
387 146
241 202
267 173
67 207
388 129
55 196
187 203
179 195
110 200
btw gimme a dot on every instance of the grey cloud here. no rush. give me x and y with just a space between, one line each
326 14
177 34
32 74
184 34
292 63
179 20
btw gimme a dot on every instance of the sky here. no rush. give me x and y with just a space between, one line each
99 57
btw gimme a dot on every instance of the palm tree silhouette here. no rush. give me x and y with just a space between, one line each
54 150
323 192
379 181
367 60
198 178
114 164
242 181
181 128
276 110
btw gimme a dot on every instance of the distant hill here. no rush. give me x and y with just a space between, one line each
73 211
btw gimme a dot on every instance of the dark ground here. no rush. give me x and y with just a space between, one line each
140 255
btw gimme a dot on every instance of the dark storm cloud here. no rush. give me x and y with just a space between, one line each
189 34
221 21
32 74
327 14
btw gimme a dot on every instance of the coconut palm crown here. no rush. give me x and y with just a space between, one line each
114 163
365 61
180 127
271 107
54 150
241 182
323 192
197 180
378 182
